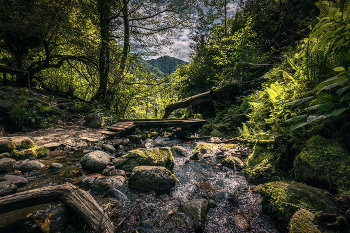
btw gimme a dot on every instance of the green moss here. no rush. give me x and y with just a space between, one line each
34 152
146 157
260 165
225 147
233 162
324 163
303 222
281 200
201 148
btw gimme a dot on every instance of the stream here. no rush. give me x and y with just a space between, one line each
235 204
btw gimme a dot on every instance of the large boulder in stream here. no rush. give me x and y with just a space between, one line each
324 163
19 181
6 165
281 200
7 188
6 145
198 210
159 179
145 157
95 161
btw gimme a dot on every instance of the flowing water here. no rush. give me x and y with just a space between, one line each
149 212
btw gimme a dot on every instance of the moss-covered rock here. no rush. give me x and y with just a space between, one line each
233 162
34 152
303 222
6 145
160 156
281 200
201 149
260 165
324 163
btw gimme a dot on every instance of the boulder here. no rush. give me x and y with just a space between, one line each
303 222
159 179
6 165
233 162
94 120
95 161
324 163
19 181
6 145
27 143
226 197
7 188
198 210
179 151
109 148
119 141
281 200
145 157
28 165
52 145
5 155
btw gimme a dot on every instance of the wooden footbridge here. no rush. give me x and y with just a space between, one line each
126 125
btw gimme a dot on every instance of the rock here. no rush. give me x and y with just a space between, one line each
149 143
95 161
59 218
5 155
198 210
145 157
137 138
6 145
117 194
28 165
226 197
27 143
109 148
117 142
16 180
159 179
6 165
52 145
203 148
179 151
56 165
7 188
233 162
276 194
94 120
111 181
260 165
107 170
212 203
87 151
116 172
324 163
303 222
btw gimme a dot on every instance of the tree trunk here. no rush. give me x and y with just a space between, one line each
81 202
104 13
126 46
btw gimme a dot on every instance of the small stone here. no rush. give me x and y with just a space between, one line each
223 197
116 172
7 188
179 151
6 165
5 155
109 148
56 166
111 181
16 180
212 203
107 169
198 210
52 145
137 139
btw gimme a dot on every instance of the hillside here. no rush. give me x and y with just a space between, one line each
166 64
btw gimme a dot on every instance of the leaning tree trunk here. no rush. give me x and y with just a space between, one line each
81 202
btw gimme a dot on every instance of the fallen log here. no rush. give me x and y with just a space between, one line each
81 202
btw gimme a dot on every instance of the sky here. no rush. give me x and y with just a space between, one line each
181 43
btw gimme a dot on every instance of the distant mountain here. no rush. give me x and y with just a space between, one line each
165 64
